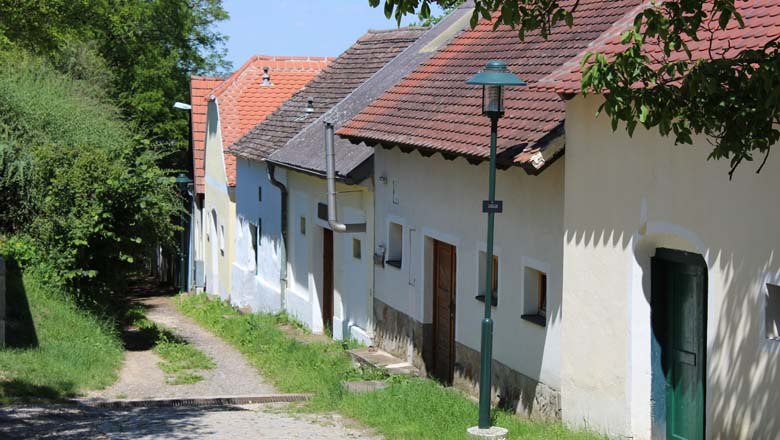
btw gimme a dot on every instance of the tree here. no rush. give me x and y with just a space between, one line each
142 51
75 179
733 100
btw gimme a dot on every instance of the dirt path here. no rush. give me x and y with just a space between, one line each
141 378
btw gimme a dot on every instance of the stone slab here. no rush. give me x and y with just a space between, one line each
493 433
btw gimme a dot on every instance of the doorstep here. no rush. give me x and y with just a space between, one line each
384 360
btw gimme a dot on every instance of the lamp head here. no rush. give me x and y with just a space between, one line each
493 78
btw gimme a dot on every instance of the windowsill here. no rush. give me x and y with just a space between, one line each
536 319
395 263
481 298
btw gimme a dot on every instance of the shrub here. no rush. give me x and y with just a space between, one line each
75 178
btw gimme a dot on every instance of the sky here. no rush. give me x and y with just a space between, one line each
298 27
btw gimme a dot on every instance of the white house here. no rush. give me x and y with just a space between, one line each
333 269
326 276
431 177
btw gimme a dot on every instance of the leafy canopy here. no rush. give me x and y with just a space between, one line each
142 52
733 99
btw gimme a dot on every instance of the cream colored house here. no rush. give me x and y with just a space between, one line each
238 104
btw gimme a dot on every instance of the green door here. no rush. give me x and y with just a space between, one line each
679 309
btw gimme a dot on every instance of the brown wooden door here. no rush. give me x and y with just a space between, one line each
444 311
327 280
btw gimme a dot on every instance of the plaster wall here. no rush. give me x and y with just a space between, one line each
255 281
220 211
625 197
434 198
352 277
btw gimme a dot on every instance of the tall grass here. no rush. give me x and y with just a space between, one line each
407 409
75 350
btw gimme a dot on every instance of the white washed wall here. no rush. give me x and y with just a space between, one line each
440 199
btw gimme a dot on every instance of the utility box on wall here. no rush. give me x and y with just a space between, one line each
2 302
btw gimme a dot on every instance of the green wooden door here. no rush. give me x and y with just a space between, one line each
679 293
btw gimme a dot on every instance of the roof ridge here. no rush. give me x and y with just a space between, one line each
229 81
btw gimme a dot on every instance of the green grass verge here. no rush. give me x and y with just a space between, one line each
181 362
66 350
407 409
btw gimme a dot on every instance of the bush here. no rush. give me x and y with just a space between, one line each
75 178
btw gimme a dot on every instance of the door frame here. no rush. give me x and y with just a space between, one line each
659 303
453 302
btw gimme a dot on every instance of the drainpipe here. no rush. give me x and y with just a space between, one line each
330 165
283 247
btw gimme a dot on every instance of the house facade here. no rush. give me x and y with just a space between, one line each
325 276
234 107
671 268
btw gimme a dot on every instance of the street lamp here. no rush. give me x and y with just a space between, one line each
493 78
183 183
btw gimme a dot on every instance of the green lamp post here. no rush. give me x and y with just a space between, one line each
493 79
183 183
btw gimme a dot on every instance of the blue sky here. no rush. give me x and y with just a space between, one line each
298 27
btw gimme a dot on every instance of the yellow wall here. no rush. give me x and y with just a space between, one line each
625 197
220 198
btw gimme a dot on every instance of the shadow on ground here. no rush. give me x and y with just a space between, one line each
20 327
71 422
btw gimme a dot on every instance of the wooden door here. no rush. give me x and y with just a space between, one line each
444 311
327 280
679 307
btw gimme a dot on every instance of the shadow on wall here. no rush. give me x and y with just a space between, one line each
20 328
743 369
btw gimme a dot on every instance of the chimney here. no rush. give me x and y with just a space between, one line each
309 106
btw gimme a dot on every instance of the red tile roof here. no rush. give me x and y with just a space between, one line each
244 102
433 109
762 24
200 86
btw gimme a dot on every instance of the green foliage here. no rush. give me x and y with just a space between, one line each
74 178
76 351
733 100
150 47
407 409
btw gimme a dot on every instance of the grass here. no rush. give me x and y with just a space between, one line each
66 351
181 362
407 409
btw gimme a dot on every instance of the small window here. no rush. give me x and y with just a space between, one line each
253 236
356 252
535 301
482 279
302 225
773 312
259 193
259 231
222 239
395 245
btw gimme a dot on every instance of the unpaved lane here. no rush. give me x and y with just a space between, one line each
141 378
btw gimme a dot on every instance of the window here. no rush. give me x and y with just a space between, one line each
356 248
259 193
483 279
535 287
395 245
222 239
302 225
773 312
253 235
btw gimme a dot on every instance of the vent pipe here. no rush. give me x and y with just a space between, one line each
309 106
266 77
330 166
